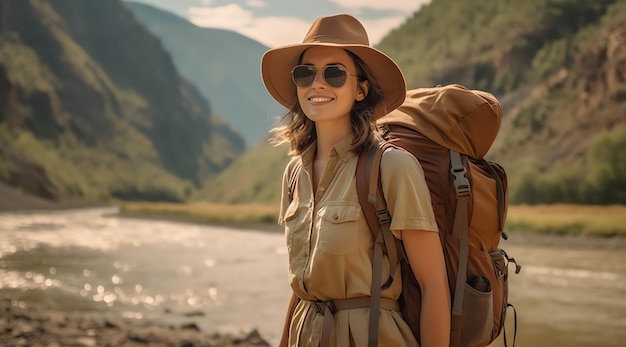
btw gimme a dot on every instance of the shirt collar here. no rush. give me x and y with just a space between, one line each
341 149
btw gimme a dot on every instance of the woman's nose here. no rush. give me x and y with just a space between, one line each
318 80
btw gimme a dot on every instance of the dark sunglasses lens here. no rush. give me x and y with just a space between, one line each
303 75
335 76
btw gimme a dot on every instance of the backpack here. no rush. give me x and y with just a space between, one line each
449 130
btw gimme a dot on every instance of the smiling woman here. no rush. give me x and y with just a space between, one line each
335 86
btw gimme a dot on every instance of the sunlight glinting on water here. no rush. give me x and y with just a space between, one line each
27 281
80 230
146 269
87 229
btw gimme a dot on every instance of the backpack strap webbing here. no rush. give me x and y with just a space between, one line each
461 231
372 201
363 168
514 326
293 180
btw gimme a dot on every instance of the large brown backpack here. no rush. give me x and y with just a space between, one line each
449 130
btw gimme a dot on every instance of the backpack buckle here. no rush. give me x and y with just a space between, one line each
461 183
385 130
383 216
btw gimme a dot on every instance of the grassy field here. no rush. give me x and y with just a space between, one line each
207 213
573 220
576 220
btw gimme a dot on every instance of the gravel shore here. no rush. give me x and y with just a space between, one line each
24 326
14 200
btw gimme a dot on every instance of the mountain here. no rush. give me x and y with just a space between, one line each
253 177
557 66
92 106
224 65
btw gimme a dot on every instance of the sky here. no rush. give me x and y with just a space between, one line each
281 22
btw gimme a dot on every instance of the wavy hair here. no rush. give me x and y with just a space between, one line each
296 129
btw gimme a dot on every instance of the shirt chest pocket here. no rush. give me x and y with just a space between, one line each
290 222
341 228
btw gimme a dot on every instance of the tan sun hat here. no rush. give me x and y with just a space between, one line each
342 31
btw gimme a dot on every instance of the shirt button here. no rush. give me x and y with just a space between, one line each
322 188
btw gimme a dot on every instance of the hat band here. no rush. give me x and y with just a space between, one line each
336 40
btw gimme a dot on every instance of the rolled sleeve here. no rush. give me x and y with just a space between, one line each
285 199
406 193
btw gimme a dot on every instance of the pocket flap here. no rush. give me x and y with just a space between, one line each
290 213
346 212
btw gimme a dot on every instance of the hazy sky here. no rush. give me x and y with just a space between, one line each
280 22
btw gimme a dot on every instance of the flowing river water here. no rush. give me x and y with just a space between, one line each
231 280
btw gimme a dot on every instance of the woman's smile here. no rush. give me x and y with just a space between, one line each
320 99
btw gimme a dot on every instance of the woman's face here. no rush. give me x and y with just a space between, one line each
322 102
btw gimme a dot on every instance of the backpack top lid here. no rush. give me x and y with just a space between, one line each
466 121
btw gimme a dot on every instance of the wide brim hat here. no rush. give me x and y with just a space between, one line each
342 31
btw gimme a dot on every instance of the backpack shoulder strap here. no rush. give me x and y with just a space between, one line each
372 199
293 179
461 231
374 208
363 170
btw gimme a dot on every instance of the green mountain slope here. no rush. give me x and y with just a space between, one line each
557 66
253 177
92 106
223 64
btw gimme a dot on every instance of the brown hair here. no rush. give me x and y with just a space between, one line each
299 131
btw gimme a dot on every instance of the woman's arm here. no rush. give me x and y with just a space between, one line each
423 249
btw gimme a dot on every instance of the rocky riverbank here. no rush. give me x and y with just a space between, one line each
12 199
24 326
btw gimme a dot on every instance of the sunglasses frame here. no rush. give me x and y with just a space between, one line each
315 69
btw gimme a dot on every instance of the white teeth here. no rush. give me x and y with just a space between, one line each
320 99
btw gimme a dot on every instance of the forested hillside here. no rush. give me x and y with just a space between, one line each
223 64
557 66
91 106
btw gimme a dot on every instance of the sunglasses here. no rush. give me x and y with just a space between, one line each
334 75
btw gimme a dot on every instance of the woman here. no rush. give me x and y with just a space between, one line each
335 86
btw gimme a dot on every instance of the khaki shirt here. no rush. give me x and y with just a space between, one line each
330 245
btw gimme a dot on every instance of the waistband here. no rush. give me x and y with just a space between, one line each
330 307
350 303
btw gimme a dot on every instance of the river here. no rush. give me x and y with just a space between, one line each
232 280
